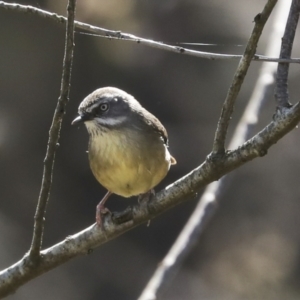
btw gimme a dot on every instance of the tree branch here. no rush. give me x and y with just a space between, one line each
212 169
281 91
207 204
238 79
181 190
113 34
54 133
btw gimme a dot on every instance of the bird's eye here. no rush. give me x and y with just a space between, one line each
103 107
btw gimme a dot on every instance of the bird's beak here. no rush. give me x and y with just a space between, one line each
80 119
77 120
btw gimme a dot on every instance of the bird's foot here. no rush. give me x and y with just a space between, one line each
100 212
147 197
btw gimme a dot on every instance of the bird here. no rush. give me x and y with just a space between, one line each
128 146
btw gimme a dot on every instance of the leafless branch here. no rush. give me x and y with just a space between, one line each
54 133
238 79
206 206
281 92
113 34
183 189
213 168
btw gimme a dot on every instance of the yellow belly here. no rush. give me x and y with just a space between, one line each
126 164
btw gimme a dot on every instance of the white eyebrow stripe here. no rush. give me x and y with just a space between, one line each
97 103
93 106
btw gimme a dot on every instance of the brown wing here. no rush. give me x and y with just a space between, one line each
156 125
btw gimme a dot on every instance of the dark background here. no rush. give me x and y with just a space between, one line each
250 250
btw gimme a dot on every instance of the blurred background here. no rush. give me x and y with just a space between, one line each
250 250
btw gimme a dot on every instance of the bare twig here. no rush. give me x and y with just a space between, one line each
206 206
54 134
281 91
113 34
238 79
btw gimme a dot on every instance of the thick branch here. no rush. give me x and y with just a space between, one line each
238 79
178 192
281 91
112 34
54 134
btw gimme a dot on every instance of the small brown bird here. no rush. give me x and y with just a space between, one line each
128 146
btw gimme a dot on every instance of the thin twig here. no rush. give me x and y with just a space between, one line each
281 91
113 34
206 206
238 79
54 133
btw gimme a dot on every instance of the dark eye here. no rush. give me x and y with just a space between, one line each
103 107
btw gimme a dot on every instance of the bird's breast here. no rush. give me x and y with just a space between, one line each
126 162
